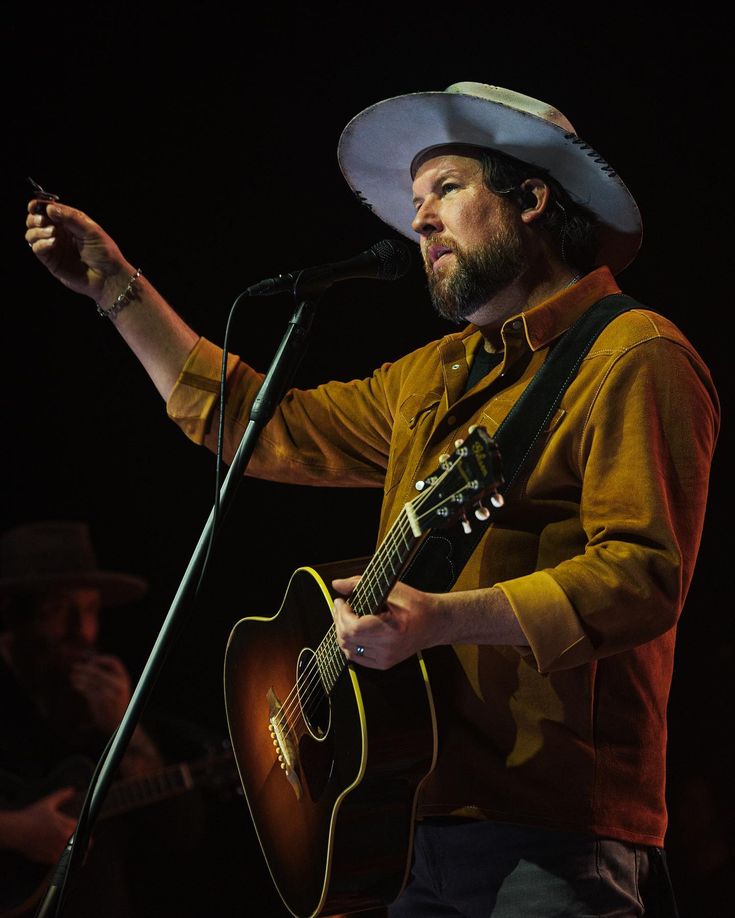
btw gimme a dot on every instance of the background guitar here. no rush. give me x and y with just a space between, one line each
23 882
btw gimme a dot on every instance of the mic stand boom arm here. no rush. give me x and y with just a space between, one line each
276 383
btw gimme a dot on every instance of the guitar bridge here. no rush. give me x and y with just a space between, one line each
280 734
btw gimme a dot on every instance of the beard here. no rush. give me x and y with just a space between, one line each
477 276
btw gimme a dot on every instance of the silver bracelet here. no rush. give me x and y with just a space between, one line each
128 294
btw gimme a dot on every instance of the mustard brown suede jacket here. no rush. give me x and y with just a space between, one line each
595 548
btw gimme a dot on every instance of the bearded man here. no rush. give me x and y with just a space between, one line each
550 655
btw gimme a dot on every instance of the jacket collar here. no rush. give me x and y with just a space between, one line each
551 318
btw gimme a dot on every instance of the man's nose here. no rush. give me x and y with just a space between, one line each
427 220
82 627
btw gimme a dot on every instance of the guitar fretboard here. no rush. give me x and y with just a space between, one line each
381 574
130 793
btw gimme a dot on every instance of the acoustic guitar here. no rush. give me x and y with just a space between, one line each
331 755
23 882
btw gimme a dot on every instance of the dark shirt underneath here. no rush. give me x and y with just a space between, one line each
482 363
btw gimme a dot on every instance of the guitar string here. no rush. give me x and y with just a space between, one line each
318 680
308 684
305 688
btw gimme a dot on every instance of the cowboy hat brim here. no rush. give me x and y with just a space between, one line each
115 589
378 146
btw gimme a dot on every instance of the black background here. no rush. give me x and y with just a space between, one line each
203 139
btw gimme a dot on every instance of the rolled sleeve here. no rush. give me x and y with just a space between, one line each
337 434
196 393
642 509
537 600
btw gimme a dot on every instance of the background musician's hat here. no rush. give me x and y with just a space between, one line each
38 556
380 147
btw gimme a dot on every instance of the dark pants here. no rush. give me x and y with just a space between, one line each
477 869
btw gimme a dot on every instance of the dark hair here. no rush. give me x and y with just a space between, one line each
571 227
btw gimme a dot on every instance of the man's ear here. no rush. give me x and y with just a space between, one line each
533 197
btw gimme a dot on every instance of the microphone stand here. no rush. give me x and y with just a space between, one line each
276 383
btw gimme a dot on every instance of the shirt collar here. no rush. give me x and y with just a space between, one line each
551 318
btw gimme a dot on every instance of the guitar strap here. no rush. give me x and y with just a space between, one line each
442 555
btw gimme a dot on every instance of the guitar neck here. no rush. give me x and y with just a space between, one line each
130 793
368 598
386 565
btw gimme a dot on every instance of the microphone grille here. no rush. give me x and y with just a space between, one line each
394 258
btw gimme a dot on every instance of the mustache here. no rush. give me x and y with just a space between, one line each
438 240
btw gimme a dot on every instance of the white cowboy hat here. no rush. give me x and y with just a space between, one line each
379 145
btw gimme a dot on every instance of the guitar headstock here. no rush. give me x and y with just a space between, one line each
462 479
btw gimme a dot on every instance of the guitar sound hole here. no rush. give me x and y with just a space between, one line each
313 698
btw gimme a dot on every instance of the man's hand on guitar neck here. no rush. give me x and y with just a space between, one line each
412 620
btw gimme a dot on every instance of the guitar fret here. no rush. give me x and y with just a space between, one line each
329 660
132 792
376 581
326 674
338 661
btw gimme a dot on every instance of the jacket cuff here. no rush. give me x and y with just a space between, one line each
196 392
552 628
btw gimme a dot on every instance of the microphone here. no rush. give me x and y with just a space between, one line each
388 259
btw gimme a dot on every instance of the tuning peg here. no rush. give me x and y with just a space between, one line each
458 443
472 428
481 512
420 485
466 526
497 500
445 457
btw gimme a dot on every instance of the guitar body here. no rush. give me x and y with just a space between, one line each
336 822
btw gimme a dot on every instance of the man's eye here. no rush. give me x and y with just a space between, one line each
449 186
